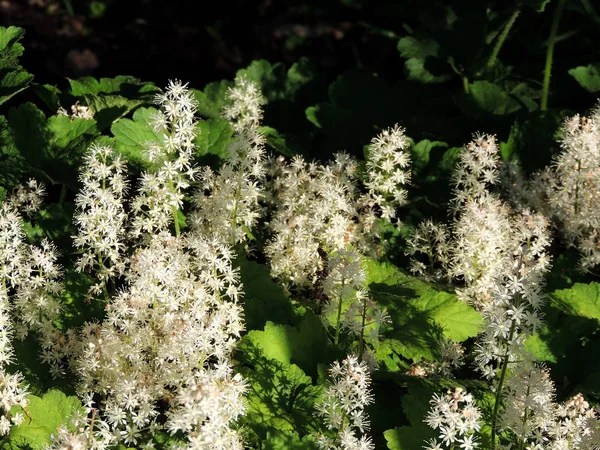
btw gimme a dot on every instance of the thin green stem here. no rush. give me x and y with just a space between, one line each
361 341
577 188
465 81
504 35
501 386
338 324
91 433
524 420
177 230
550 52
589 9
63 194
69 7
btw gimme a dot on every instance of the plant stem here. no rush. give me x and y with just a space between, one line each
361 342
500 386
69 7
465 84
589 9
91 433
549 53
63 194
577 187
504 35
177 230
524 421
339 317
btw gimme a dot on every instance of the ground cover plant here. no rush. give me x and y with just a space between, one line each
261 263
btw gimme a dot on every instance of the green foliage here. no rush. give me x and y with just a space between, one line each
588 77
13 79
51 148
212 99
581 300
420 313
487 98
450 90
281 395
305 344
214 135
417 53
131 136
264 299
43 416
112 98
288 440
568 339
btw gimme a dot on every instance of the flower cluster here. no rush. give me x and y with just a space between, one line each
342 406
452 356
387 163
576 425
536 422
348 305
456 417
477 170
568 189
528 400
319 209
481 246
12 390
512 313
313 214
227 203
28 198
172 328
573 186
35 305
160 194
433 241
100 215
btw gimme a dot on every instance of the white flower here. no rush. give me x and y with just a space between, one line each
456 417
342 405
387 162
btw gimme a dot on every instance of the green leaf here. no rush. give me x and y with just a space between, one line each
270 78
416 53
508 149
581 300
53 147
132 135
127 86
13 163
112 98
281 143
421 153
264 299
64 132
415 405
212 99
288 440
458 320
421 314
214 136
588 77
305 344
536 5
49 95
280 397
13 79
487 98
44 417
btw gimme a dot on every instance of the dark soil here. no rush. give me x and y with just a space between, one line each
159 40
